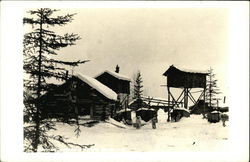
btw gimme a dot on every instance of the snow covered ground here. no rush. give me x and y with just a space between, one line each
189 134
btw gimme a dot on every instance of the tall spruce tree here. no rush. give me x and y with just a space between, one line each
212 90
39 47
138 91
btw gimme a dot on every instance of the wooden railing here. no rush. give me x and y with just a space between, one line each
161 101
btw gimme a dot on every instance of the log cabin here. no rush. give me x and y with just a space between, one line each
80 95
118 83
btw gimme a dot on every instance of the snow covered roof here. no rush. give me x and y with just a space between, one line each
116 75
144 103
123 110
186 70
182 108
215 112
143 108
157 104
226 113
194 71
107 92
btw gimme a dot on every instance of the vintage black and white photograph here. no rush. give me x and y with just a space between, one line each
127 79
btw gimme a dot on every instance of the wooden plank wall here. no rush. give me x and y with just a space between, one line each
59 101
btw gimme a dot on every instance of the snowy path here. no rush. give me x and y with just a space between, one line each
189 134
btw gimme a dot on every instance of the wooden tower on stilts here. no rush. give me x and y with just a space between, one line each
185 80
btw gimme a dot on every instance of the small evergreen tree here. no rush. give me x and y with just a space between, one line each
138 91
39 45
212 90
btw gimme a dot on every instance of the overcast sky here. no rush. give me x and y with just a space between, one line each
150 40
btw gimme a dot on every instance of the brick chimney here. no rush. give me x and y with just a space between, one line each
66 75
117 69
